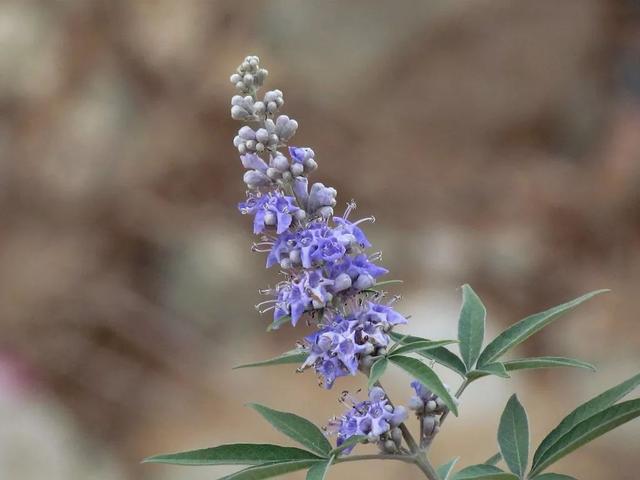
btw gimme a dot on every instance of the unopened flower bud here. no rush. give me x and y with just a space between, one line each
364 281
280 162
297 169
270 218
341 282
416 403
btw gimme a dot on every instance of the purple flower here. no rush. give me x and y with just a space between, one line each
271 209
338 349
352 228
373 418
361 271
305 292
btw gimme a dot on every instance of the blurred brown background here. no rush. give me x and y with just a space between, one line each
496 142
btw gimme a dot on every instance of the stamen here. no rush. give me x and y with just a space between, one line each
351 206
371 219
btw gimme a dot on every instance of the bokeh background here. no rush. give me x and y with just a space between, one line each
497 143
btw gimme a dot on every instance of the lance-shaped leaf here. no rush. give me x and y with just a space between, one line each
270 470
427 377
440 355
546 362
295 427
494 459
519 332
444 470
295 356
496 368
471 326
349 442
483 472
319 470
377 370
585 411
234 454
420 346
588 430
513 436
553 476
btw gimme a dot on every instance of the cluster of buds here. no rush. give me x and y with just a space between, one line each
428 408
247 108
249 76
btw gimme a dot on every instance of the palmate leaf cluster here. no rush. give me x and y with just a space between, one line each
416 356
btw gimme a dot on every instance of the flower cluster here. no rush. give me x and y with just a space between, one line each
328 276
374 418
351 342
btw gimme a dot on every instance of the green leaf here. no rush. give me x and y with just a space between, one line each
584 411
471 326
513 436
440 355
494 459
427 377
276 324
483 472
444 471
546 362
270 470
296 356
495 368
352 440
319 470
588 430
377 370
234 454
519 332
552 476
420 346
295 427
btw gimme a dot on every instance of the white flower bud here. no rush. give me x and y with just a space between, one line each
235 78
300 214
262 135
280 162
270 218
342 282
297 170
286 263
396 435
310 164
272 107
415 403
259 107
431 406
294 255
287 177
389 446
364 281
240 86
